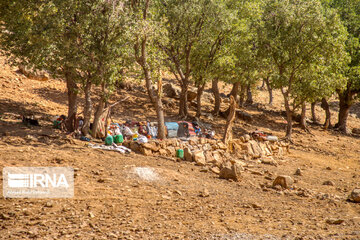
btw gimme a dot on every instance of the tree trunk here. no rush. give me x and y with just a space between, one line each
313 113
183 108
157 102
233 93
249 98
242 95
149 88
228 135
159 111
98 113
289 124
155 96
87 109
345 104
326 107
235 90
72 91
303 116
289 116
200 91
269 90
160 117
215 90
263 85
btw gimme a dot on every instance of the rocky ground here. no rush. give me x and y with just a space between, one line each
142 197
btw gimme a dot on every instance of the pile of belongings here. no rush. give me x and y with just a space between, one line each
187 129
142 131
59 122
263 136
136 131
113 147
30 121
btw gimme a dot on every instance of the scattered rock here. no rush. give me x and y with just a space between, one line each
170 90
256 172
215 170
151 146
231 172
204 193
356 130
247 137
49 204
269 161
146 151
199 158
188 156
244 116
208 156
328 168
334 221
26 213
166 197
277 187
221 146
355 196
208 97
329 183
4 216
218 160
256 206
101 180
30 138
163 152
191 95
34 74
112 235
298 172
256 149
268 178
284 181
91 215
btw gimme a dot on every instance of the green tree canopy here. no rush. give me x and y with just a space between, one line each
302 39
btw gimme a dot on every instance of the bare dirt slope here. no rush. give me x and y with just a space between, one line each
114 199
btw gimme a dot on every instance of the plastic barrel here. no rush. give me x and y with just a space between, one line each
118 139
109 140
180 153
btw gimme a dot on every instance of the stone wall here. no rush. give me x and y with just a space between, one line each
211 152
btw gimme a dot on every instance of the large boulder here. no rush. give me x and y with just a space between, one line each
355 195
191 95
34 74
244 116
284 181
231 171
217 159
152 146
199 158
188 156
146 151
208 97
356 130
256 149
170 90
209 157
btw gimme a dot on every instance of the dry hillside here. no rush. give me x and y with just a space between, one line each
114 199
